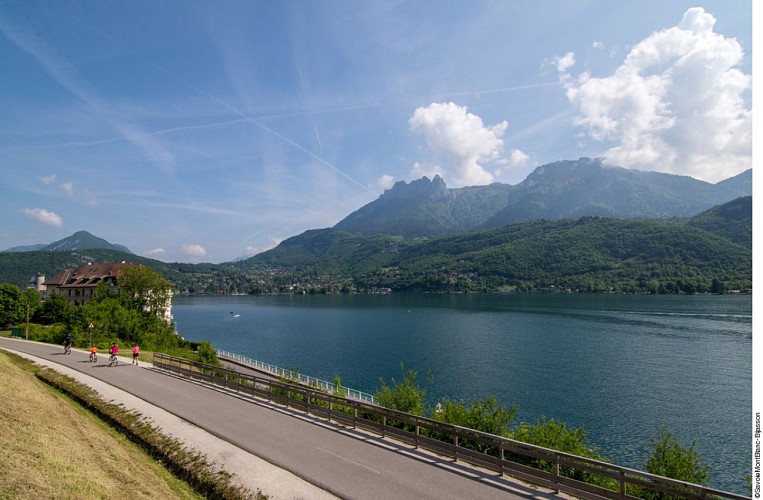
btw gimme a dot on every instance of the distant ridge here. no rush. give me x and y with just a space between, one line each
564 189
81 240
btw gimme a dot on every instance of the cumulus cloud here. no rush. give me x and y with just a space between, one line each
47 179
68 188
676 104
42 215
564 62
460 141
384 182
197 251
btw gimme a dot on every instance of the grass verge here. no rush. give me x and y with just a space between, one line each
54 449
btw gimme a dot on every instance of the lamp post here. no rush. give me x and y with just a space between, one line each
90 327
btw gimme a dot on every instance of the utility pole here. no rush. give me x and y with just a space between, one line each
27 321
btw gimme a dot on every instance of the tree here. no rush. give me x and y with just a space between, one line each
717 286
482 415
12 311
670 459
404 395
207 354
55 309
143 289
549 433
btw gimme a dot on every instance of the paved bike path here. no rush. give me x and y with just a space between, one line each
282 452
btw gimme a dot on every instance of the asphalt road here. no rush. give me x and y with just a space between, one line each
346 462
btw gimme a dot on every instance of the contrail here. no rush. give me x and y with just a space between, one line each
66 75
504 89
267 129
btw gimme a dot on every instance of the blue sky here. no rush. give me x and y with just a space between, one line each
207 131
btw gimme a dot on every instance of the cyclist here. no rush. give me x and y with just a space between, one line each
93 352
68 344
113 352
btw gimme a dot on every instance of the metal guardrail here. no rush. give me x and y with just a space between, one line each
560 471
298 377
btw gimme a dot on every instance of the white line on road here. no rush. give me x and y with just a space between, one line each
348 460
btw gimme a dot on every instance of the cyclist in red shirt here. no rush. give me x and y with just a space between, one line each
113 351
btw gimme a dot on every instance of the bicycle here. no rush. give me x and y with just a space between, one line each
113 361
93 357
67 349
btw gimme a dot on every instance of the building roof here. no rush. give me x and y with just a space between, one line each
89 275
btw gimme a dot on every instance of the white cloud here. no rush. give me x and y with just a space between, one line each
674 105
426 169
156 251
597 44
565 62
518 158
48 179
68 188
460 140
253 250
197 251
384 182
42 215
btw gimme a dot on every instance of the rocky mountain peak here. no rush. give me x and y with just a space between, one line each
418 189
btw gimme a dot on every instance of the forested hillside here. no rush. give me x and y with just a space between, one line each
589 254
710 252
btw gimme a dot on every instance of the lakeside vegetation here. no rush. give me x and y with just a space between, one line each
668 458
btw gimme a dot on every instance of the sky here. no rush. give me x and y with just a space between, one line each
197 131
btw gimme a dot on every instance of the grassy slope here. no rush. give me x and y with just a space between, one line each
53 448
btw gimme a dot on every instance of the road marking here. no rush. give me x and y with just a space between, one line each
348 460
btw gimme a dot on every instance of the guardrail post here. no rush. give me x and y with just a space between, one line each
417 433
503 458
455 453
556 472
622 483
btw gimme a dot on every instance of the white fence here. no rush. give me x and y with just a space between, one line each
298 377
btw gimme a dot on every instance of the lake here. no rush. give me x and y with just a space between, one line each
620 366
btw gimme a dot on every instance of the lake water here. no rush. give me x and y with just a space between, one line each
619 366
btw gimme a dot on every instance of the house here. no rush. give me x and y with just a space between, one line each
77 286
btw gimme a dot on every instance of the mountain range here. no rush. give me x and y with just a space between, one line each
81 240
564 189
579 224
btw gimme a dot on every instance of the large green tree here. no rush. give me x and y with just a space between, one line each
12 310
54 309
143 289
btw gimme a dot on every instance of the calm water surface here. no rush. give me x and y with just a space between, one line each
618 366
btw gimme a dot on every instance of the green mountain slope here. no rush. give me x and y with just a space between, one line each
565 189
710 251
731 220
590 253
